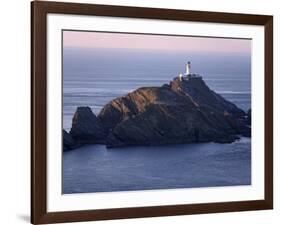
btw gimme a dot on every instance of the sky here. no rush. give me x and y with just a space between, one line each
85 39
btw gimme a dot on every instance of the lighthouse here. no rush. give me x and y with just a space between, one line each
188 67
188 75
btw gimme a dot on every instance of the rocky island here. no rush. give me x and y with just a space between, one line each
184 111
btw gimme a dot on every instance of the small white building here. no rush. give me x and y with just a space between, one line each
188 74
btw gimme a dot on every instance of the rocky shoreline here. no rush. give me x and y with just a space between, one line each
183 111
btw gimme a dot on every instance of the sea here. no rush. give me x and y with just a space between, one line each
93 77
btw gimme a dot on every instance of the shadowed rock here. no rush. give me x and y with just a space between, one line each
249 116
200 93
68 142
86 127
183 112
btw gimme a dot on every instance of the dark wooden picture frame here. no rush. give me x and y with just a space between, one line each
40 9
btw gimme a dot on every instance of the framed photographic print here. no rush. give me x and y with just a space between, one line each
143 112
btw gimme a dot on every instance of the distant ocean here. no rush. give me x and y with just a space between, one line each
93 77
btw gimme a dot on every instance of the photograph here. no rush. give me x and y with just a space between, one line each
142 111
154 111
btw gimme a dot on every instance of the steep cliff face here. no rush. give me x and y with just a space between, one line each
182 112
197 89
86 127
138 102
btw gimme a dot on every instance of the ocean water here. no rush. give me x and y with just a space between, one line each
93 77
93 168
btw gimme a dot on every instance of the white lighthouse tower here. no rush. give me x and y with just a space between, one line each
188 75
188 68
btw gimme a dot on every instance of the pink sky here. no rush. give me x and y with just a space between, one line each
154 42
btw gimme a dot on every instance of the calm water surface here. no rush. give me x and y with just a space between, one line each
93 168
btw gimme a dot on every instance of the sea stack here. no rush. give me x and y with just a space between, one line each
68 142
86 127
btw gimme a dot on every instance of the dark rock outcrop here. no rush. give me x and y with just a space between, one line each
86 127
184 111
249 116
68 142
181 112
203 96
